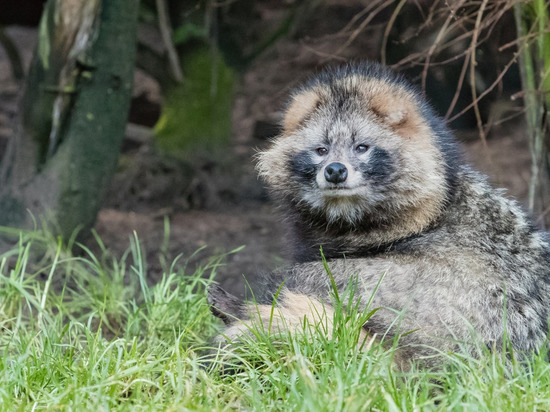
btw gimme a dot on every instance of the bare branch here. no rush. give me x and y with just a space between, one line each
388 29
473 64
166 34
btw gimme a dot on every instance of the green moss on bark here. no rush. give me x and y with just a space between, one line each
197 113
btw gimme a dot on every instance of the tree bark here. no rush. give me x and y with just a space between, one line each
72 117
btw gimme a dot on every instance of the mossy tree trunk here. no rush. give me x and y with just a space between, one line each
72 116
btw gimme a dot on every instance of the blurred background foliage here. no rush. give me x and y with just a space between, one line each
196 113
212 75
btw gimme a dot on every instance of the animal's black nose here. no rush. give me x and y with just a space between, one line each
336 173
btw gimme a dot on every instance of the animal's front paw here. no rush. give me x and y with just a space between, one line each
228 354
236 315
223 304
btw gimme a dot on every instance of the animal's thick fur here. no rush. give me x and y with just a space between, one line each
460 260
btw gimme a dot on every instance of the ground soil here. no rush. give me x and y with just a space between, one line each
224 206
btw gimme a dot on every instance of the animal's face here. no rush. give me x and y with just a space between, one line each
357 149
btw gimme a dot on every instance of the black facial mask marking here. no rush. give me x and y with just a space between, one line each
379 167
302 167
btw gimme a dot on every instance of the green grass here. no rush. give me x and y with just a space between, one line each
90 333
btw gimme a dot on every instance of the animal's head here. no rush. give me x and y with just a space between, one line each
359 145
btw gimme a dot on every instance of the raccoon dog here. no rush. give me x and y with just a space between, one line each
364 169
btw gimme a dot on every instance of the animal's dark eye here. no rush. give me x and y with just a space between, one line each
321 151
362 148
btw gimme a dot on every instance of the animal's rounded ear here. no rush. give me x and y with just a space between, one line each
301 106
396 109
393 110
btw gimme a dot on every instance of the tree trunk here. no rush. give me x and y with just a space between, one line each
72 116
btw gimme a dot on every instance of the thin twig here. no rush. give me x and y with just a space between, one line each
363 25
431 51
13 55
486 91
473 63
388 29
358 16
458 87
166 34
